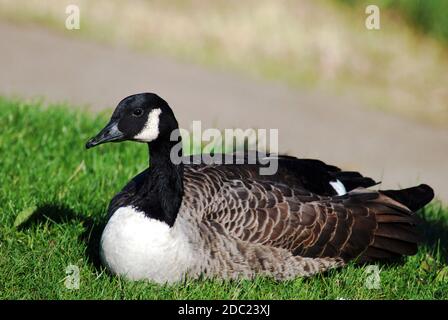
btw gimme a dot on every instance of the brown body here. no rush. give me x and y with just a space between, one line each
240 224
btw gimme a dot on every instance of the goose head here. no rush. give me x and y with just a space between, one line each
143 117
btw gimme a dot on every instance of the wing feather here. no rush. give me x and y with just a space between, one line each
290 217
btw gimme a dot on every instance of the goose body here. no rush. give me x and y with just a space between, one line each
217 220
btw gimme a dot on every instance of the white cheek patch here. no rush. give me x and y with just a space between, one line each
150 131
338 187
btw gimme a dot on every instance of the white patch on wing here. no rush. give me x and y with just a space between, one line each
150 131
141 248
338 187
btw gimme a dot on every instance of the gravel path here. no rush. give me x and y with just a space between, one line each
37 62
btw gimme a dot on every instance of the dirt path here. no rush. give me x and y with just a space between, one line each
37 62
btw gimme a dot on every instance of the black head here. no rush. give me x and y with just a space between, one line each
143 117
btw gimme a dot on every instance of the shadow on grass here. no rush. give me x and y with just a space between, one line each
435 233
57 213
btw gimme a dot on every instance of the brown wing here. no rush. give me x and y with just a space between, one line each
274 214
312 175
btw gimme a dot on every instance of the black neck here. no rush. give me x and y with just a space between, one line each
164 184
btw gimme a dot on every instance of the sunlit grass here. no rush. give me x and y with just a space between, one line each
45 171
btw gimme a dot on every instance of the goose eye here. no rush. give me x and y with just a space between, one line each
137 112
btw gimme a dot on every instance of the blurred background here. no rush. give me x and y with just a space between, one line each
369 100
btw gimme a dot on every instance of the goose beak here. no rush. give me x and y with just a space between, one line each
108 134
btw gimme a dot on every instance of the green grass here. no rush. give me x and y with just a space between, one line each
45 171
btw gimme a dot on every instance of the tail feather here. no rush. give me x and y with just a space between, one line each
413 198
399 231
395 246
396 233
374 254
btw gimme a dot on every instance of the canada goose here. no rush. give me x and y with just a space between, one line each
175 220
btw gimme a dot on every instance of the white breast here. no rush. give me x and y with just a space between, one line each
140 248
